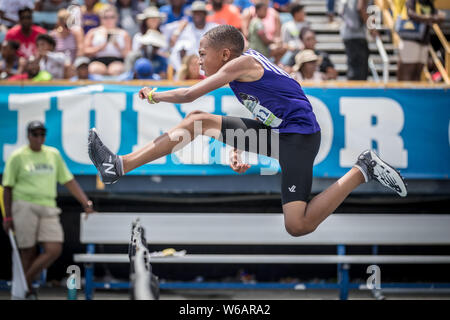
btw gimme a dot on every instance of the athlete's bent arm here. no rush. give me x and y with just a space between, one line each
233 70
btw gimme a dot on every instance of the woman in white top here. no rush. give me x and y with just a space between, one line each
107 45
150 19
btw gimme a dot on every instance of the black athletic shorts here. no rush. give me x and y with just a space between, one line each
107 60
296 152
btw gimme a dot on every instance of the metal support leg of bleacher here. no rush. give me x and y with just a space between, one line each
89 274
343 274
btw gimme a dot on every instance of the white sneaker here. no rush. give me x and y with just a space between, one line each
372 167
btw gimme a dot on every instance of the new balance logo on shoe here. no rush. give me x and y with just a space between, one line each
109 168
292 188
107 163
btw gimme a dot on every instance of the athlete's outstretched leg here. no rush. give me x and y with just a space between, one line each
302 218
296 157
175 139
111 166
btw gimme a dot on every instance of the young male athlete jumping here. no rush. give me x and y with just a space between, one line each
280 106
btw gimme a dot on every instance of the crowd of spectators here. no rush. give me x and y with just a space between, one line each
159 39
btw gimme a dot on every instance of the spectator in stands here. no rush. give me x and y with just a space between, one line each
308 38
150 19
326 67
193 31
330 10
3 31
9 11
144 4
69 39
90 15
281 5
108 45
242 4
30 179
128 11
56 63
353 32
25 33
272 28
51 5
48 12
306 67
190 69
413 55
256 32
11 64
152 47
81 66
290 31
142 70
224 13
272 23
32 72
181 49
175 10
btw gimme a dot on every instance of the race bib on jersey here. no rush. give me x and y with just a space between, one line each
260 112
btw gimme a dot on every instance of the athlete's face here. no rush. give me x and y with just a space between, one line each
211 59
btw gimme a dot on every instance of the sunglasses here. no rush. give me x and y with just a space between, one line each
109 17
38 134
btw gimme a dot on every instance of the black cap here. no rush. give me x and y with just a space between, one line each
34 125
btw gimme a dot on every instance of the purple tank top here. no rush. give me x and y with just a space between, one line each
277 100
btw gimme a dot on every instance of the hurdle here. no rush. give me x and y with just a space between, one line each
340 230
144 284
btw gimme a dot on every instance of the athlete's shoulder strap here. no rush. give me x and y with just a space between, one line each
266 62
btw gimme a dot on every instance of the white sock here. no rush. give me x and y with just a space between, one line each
121 166
366 178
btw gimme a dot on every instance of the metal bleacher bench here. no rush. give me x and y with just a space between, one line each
266 229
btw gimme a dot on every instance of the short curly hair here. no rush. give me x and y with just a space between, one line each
47 38
226 36
23 10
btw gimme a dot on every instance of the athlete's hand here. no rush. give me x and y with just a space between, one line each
145 92
236 162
